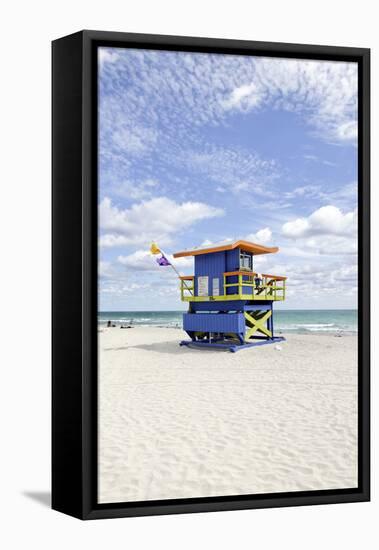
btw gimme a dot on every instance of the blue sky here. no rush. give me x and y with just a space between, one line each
201 148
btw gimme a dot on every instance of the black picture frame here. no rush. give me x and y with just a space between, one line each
74 272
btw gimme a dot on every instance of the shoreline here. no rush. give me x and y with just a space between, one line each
285 321
337 333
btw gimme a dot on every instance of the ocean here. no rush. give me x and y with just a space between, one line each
297 321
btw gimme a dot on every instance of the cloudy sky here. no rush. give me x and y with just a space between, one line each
200 148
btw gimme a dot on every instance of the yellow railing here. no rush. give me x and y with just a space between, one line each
264 287
187 287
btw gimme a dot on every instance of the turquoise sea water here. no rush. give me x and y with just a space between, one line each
299 321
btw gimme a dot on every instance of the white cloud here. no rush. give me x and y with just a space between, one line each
321 259
332 245
222 241
137 190
233 170
104 269
308 191
347 131
324 93
109 240
140 260
119 289
263 236
260 262
345 197
135 140
159 99
244 97
143 260
156 219
318 284
182 263
107 56
327 220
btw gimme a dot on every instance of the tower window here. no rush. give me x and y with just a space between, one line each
246 261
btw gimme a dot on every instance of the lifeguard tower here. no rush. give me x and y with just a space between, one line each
230 305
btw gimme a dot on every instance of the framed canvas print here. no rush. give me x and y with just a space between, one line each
210 274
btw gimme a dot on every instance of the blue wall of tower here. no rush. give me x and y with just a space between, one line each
213 266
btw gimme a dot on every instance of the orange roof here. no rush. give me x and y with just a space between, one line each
246 246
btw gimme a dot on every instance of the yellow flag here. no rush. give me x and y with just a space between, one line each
154 249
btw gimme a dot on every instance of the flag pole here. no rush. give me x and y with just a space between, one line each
177 272
155 250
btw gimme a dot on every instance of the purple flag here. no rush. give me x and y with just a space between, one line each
163 260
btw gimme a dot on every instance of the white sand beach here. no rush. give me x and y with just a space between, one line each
178 422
